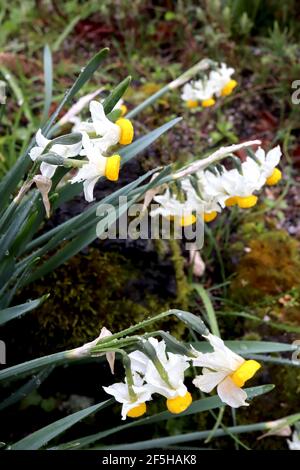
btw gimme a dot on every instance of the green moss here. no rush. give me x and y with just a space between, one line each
94 290
86 293
268 273
183 288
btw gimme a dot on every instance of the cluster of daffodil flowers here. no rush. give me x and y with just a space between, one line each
164 376
216 83
207 193
99 136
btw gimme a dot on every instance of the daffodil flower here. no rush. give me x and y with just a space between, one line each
222 81
240 187
65 151
132 406
207 206
294 444
225 370
205 91
198 91
213 187
97 166
178 397
189 95
120 132
217 83
269 162
173 209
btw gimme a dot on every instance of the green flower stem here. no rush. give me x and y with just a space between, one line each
162 372
73 163
104 345
217 425
116 344
128 373
147 348
138 326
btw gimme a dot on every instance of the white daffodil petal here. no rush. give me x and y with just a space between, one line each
138 361
67 151
273 156
222 359
208 380
232 395
119 391
97 111
294 444
47 169
41 140
88 188
174 365
35 152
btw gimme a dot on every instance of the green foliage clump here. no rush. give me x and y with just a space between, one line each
267 271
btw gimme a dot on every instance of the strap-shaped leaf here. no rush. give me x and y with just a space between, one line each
70 191
86 73
27 388
26 368
79 243
14 312
82 229
139 145
41 437
69 227
48 80
198 406
9 236
13 177
248 347
117 93
191 320
35 365
211 315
